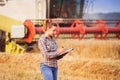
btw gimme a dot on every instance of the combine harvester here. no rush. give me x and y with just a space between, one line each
68 20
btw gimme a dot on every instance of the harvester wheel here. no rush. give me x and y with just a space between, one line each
102 26
118 26
79 25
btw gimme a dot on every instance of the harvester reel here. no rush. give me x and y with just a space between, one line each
79 25
102 26
117 26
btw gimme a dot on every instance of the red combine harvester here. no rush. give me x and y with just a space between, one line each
66 14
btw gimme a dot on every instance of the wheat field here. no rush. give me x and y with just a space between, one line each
91 60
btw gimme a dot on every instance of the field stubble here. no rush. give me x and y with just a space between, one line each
90 60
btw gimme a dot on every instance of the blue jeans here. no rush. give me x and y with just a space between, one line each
49 73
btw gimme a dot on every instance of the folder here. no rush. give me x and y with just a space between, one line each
64 53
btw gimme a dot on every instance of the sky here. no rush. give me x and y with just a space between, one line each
105 6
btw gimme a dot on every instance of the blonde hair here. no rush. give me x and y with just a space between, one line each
47 24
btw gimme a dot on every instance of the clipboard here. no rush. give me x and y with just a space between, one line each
64 53
67 51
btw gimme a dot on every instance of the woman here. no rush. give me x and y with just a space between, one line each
50 54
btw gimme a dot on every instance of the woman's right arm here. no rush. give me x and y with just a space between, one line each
47 53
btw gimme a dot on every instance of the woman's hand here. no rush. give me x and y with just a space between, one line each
61 50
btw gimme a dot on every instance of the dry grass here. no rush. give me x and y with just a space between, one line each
90 60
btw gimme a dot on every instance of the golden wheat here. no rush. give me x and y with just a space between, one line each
90 60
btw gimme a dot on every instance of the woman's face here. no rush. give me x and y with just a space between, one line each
52 31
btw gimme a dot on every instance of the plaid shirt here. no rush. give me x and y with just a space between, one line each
49 51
